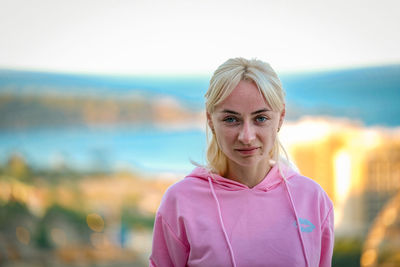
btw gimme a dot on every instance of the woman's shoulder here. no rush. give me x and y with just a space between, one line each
182 196
310 196
189 183
306 182
187 187
298 180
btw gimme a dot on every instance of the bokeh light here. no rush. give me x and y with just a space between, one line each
95 222
23 235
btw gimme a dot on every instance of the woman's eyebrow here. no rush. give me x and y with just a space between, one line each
237 113
230 111
260 111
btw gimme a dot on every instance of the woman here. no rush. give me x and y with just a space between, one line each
244 208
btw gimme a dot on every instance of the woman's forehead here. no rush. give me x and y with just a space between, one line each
246 95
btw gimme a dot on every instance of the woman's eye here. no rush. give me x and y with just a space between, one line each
261 119
230 120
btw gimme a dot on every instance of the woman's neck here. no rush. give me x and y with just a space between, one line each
249 176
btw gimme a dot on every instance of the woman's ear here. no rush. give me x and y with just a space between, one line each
209 121
281 117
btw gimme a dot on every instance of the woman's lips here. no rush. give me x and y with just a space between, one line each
247 150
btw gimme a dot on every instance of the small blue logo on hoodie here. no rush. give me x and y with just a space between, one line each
305 225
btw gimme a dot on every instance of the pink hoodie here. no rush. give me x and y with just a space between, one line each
208 220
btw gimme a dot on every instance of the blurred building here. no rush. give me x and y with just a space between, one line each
382 176
382 244
358 167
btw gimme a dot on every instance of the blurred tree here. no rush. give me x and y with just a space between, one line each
17 167
346 253
133 218
70 221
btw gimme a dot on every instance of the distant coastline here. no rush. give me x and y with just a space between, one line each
369 95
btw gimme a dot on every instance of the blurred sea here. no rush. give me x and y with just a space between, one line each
368 95
106 148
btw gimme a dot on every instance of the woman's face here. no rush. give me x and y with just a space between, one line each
245 126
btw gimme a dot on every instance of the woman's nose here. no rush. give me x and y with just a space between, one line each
247 133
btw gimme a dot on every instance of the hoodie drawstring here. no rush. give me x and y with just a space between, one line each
222 222
297 222
226 235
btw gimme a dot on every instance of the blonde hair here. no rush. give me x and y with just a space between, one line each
223 82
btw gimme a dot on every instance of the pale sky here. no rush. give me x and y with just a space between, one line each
184 36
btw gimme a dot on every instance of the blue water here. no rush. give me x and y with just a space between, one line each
119 148
370 95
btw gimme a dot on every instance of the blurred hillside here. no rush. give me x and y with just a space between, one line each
54 110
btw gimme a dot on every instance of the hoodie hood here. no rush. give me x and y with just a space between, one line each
279 173
274 177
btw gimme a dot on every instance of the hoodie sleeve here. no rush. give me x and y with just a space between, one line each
168 249
327 240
